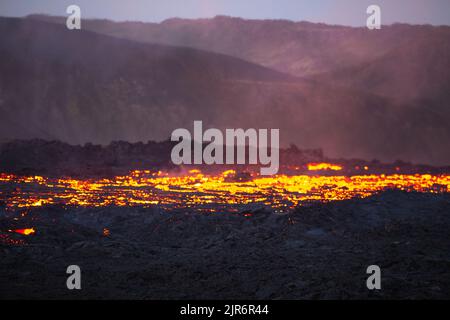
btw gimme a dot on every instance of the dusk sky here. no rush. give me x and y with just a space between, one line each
345 12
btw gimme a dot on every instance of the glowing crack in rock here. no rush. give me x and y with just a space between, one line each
323 166
25 232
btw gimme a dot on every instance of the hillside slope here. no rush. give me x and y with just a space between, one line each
79 86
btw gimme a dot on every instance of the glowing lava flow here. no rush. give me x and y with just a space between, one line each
25 232
323 166
209 193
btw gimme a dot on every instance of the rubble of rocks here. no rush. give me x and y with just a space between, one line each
319 251
59 159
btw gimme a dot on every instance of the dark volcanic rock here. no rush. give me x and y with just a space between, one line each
317 252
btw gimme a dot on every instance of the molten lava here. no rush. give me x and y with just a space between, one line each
323 166
25 232
208 193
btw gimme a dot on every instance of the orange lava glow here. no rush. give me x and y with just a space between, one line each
25 232
209 193
323 166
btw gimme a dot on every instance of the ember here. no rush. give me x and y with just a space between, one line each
323 166
25 232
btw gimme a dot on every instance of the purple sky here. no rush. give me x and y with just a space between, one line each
346 12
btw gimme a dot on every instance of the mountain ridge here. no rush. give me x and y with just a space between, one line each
80 86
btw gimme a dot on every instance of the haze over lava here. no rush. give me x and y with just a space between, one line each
349 91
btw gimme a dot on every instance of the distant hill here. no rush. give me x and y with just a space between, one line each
82 86
413 72
406 62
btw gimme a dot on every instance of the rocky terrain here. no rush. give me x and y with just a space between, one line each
58 159
94 103
320 251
